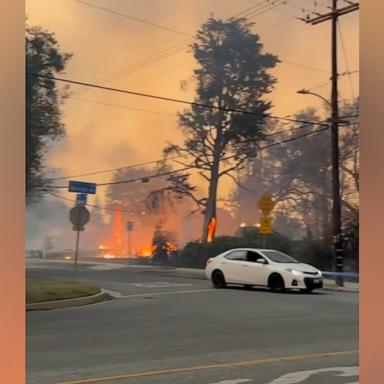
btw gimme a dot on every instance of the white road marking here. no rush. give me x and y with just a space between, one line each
107 267
234 381
115 294
167 293
159 284
299 377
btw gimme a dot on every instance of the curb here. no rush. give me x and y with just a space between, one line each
340 289
57 304
329 285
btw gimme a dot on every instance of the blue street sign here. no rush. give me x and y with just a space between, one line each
81 199
81 187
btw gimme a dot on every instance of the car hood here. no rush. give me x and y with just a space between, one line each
301 267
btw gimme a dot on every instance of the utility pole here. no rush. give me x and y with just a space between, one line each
338 250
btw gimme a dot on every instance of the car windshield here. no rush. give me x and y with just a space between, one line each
279 257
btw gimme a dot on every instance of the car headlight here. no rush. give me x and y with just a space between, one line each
294 272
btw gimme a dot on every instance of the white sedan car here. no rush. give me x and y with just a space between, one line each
262 267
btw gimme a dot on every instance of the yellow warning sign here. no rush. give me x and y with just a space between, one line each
266 204
265 225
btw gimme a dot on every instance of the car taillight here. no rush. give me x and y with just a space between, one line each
208 262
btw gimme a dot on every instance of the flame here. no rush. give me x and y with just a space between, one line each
171 247
211 229
146 251
109 256
114 247
122 244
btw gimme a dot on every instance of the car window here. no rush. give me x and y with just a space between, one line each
254 257
237 255
280 257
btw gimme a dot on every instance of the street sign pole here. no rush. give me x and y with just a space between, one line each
76 248
129 243
129 230
78 216
266 205
76 256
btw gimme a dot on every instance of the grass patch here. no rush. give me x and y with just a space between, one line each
38 291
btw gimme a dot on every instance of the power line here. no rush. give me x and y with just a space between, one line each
183 45
254 8
249 13
303 66
302 9
305 10
319 86
286 14
348 72
95 206
178 156
117 169
278 11
145 62
262 10
288 130
148 177
202 105
132 18
151 162
180 46
141 178
224 159
121 106
170 51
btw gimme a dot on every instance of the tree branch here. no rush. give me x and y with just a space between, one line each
239 184
237 165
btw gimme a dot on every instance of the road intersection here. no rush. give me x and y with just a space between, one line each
166 328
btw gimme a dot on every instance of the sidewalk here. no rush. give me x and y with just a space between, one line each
348 287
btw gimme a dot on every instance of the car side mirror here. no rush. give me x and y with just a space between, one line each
262 261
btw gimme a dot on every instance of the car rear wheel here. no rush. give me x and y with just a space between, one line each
276 283
218 279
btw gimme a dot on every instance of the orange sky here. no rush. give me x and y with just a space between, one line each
100 136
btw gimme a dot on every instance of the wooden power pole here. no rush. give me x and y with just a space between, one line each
338 250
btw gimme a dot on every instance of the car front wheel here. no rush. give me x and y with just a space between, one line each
276 283
218 279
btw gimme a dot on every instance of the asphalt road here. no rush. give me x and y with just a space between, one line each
173 329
